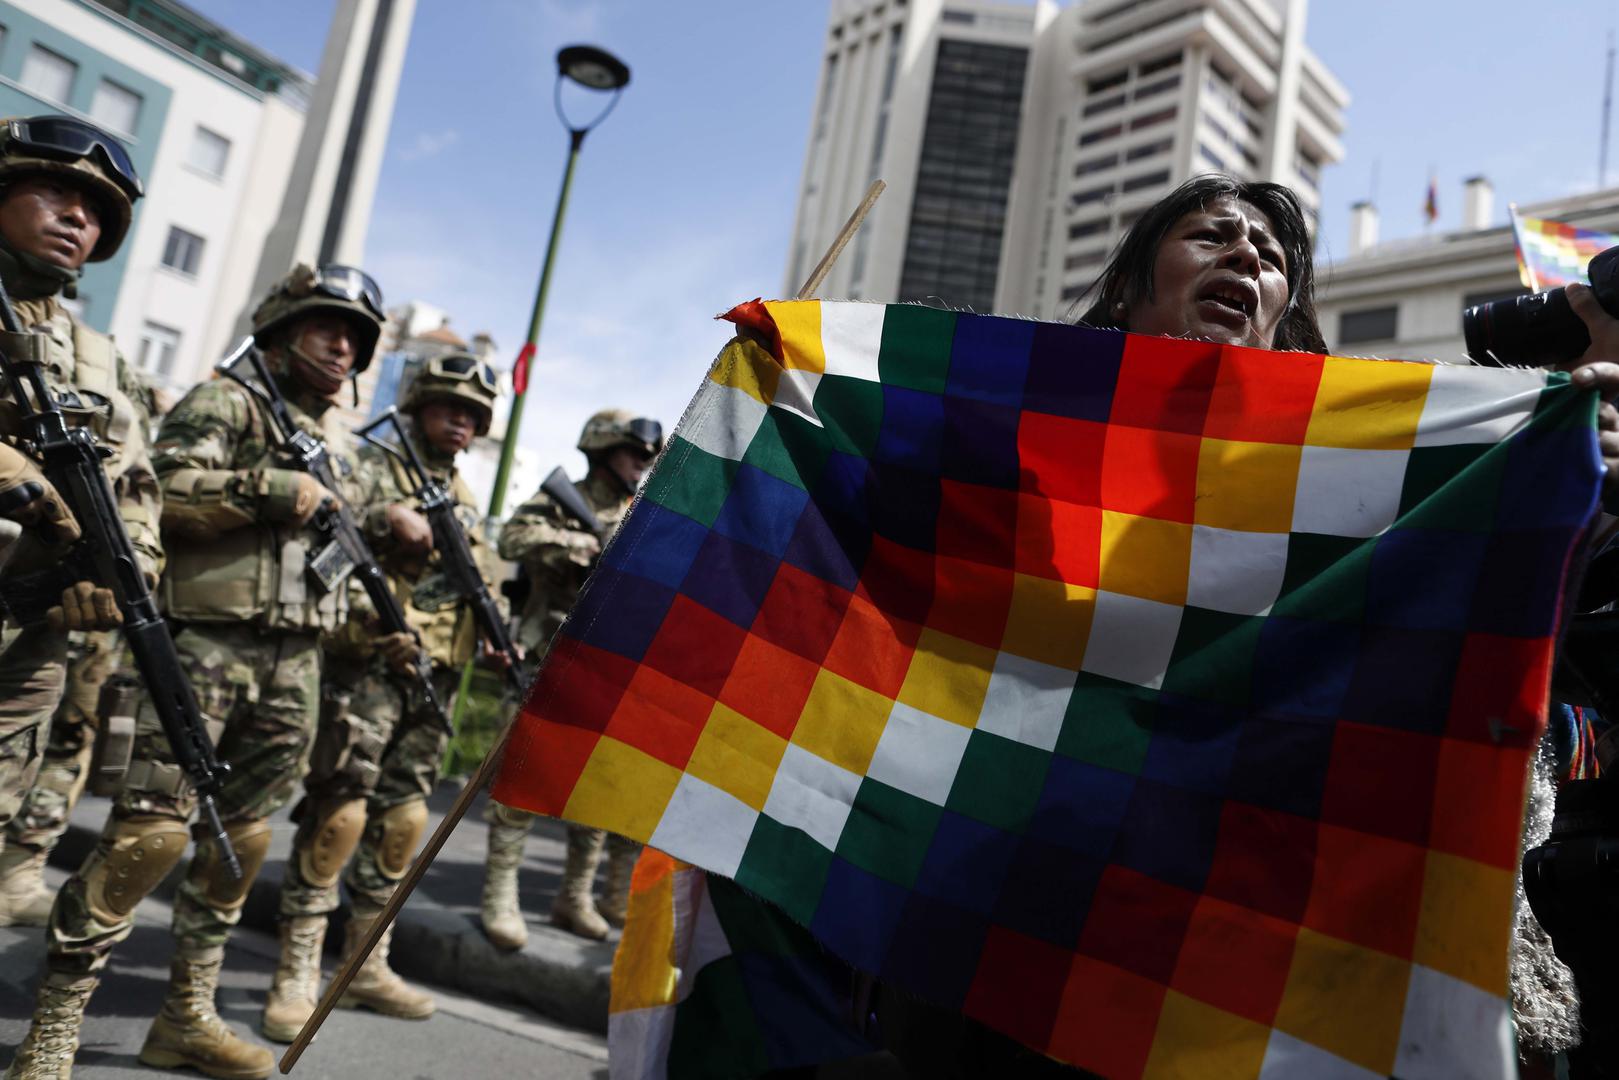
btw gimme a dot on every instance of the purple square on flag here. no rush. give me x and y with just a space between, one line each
989 359
1169 833
1424 578
1403 678
1549 470
980 443
730 578
1193 743
916 960
965 863
1531 560
1303 667
1081 806
1281 763
761 510
857 914
1072 371
830 553
841 491
1048 892
912 430
656 543
636 606
903 504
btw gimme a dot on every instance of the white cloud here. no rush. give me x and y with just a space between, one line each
429 144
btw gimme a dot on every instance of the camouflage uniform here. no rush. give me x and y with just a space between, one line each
557 553
379 746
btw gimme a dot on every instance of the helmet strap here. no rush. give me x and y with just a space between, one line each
297 358
28 277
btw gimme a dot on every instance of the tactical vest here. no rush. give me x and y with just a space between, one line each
450 634
258 572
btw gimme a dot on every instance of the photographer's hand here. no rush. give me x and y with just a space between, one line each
1598 368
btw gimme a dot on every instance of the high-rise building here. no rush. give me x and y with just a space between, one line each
1019 141
210 121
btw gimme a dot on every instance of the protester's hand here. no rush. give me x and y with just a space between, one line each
27 498
1598 368
411 531
400 652
85 606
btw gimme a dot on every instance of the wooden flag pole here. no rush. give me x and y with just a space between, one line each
486 770
846 234
345 974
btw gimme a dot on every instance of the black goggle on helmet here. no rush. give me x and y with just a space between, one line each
344 290
82 153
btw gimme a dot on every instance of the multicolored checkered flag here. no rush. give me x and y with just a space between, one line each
1552 254
1161 704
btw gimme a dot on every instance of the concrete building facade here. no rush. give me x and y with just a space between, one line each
1010 199
1404 299
212 124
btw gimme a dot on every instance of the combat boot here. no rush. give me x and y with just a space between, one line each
189 1032
295 987
46 1052
574 909
614 904
24 899
502 917
376 986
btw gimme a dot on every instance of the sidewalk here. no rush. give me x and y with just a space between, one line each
438 937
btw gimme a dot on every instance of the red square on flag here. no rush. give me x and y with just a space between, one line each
801 612
971 601
872 649
1350 866
1018 985
977 522
1061 458
1236 959
660 716
1107 1019
1165 384
1150 473
1263 396
580 685
1059 541
696 646
769 685
543 762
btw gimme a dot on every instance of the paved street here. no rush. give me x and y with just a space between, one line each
466 1038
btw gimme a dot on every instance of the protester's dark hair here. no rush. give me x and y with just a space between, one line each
1129 271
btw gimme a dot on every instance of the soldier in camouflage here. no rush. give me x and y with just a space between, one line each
378 749
237 524
557 553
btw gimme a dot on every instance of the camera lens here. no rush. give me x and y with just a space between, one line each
1525 330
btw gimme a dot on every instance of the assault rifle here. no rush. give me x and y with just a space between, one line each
449 540
70 458
565 495
345 551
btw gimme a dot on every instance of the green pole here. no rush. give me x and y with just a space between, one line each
508 445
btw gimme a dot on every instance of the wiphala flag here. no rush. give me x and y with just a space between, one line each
1163 705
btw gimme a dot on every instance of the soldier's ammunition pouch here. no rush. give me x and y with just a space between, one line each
402 828
115 735
156 778
345 753
333 836
208 872
142 852
197 504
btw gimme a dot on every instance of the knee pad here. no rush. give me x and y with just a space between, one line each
251 842
335 834
141 854
402 828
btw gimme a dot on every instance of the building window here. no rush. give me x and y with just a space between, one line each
158 346
1096 165
1099 134
1106 82
1149 119
1080 198
1103 105
1149 89
183 251
1087 228
1211 157
209 152
966 18
1147 150
116 108
1368 324
47 74
1088 258
1164 63
1136 183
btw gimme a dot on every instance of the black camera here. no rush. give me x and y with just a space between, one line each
1539 329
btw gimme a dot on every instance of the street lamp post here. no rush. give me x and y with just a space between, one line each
595 69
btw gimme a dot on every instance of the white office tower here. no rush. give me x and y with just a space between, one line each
1019 140
327 206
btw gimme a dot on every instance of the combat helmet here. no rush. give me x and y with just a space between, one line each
80 152
619 427
455 377
333 287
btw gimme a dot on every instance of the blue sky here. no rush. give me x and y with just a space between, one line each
684 198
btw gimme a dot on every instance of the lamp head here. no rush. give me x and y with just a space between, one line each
596 69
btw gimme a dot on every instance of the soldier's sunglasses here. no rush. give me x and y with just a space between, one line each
646 431
464 367
351 284
66 139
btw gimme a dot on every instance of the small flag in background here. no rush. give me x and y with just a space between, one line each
1552 254
520 369
1163 705
1430 205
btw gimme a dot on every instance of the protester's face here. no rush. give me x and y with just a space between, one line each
1220 275
448 426
50 219
628 464
326 346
